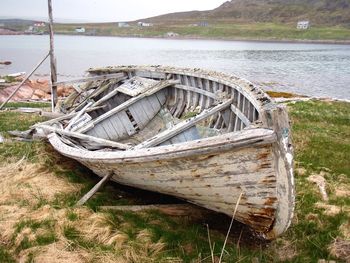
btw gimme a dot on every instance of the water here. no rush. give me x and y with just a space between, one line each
312 69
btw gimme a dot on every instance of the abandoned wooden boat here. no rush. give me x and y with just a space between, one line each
202 136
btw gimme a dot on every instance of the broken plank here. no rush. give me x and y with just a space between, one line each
182 126
103 142
99 77
128 103
97 187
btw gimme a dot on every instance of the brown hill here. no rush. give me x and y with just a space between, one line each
319 12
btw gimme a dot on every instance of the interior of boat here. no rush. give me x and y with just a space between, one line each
140 109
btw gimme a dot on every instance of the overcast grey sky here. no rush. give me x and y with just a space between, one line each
100 10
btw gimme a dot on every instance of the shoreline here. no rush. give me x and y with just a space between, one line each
238 39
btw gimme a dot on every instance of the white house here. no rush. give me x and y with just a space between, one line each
39 24
123 24
143 24
80 30
303 25
171 34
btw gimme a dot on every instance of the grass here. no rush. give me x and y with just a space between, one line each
216 29
321 137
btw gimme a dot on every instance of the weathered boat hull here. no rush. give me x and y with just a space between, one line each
253 157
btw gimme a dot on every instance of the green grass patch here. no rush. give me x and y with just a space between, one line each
5 256
217 29
39 105
321 134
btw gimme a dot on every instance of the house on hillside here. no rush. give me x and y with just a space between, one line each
171 34
303 25
80 30
123 24
39 24
203 23
143 24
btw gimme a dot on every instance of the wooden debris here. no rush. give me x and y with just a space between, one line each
93 191
168 209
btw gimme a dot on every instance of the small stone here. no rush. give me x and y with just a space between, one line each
300 171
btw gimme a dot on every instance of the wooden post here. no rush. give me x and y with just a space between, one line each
52 60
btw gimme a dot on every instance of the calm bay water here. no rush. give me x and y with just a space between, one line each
312 69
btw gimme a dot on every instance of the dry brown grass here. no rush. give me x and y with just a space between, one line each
26 192
340 248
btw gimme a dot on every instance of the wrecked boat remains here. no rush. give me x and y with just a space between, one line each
202 136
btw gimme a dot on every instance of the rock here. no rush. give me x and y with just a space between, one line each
301 171
330 210
342 191
321 183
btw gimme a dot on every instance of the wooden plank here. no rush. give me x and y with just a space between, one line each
196 90
119 126
148 109
182 126
209 101
99 77
139 114
240 115
85 137
125 121
159 86
195 94
161 96
93 191
150 74
76 117
180 104
202 97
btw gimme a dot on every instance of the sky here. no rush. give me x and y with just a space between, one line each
100 10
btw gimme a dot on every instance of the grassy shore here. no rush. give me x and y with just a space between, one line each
216 30
38 190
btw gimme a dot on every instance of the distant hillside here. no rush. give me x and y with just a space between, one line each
319 12
17 22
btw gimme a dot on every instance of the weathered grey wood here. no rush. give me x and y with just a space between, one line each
98 77
125 121
24 80
209 101
76 117
238 120
195 94
53 65
166 135
93 190
159 86
196 90
240 115
167 209
85 137
202 97
181 104
139 114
